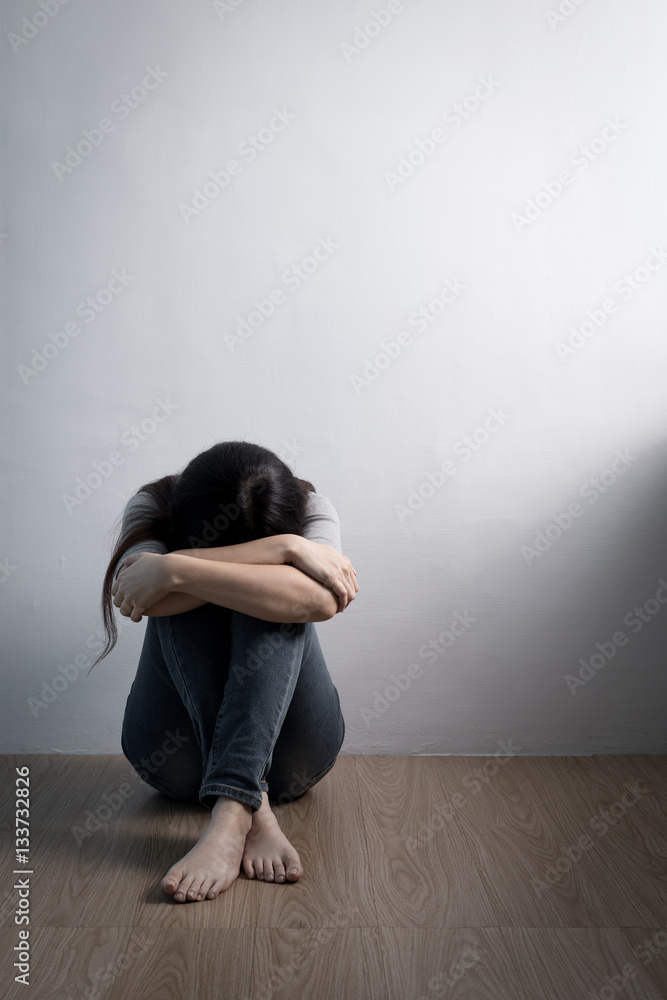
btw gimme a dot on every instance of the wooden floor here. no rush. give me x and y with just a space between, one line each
475 878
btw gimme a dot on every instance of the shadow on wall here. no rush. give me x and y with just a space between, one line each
582 626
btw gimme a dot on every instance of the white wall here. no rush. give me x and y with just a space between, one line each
332 173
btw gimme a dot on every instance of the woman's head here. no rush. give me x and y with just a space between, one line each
231 493
235 492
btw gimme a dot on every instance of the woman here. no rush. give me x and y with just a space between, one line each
232 561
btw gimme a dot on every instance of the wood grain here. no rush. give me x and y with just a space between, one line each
419 883
318 964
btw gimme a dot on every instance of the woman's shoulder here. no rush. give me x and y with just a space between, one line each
140 503
142 499
321 523
319 504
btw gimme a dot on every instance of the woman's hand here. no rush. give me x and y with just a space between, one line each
143 581
326 565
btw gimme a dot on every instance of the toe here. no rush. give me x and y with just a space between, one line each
205 888
294 871
216 889
268 870
195 887
172 880
182 891
248 868
292 865
279 871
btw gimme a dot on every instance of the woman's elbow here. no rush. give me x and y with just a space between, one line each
319 608
326 607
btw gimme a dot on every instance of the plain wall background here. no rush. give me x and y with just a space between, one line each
368 447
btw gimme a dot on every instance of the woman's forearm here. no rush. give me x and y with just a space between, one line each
274 593
174 604
273 550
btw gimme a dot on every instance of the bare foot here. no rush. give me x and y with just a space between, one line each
268 854
215 860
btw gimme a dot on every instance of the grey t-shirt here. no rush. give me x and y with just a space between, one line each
321 524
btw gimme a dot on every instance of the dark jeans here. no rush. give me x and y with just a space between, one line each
227 704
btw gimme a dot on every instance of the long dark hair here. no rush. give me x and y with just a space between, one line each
234 492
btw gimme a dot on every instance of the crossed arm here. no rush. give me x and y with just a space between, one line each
282 578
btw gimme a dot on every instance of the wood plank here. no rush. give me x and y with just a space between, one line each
60 786
455 963
398 882
183 963
121 963
67 961
617 844
571 962
516 837
96 875
436 884
649 951
326 963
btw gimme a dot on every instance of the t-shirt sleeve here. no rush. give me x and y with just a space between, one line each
139 508
321 523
